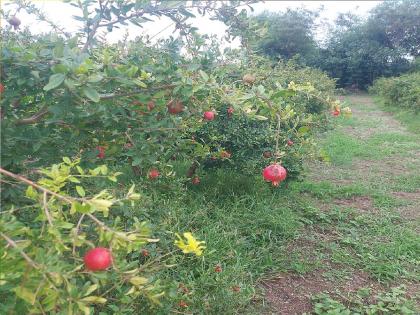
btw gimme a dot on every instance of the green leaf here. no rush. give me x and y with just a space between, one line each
259 117
31 192
91 93
204 75
81 208
303 130
67 160
26 295
91 289
55 81
80 190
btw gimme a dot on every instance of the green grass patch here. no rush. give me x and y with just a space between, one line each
407 117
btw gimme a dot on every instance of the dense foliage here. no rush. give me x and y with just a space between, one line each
131 111
356 51
289 35
402 91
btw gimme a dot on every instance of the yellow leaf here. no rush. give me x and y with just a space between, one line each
93 299
26 295
137 281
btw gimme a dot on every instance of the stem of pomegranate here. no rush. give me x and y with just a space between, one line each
277 153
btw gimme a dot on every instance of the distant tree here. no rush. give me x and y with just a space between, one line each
400 23
289 33
357 52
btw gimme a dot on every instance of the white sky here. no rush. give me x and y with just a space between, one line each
61 14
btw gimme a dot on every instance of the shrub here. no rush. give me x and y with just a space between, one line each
133 104
65 213
402 91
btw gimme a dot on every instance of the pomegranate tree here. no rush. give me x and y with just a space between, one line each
274 173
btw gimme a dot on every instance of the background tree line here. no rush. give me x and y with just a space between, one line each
356 51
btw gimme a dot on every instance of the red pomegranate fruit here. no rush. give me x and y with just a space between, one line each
230 111
248 79
15 22
98 258
290 143
195 180
153 173
175 107
336 112
225 154
274 173
1 88
151 105
101 154
208 116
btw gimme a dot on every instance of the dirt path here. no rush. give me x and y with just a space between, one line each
360 206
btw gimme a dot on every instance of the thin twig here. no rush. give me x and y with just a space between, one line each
47 213
22 253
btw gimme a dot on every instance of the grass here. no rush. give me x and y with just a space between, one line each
252 230
406 117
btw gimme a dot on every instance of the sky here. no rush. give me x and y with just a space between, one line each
62 13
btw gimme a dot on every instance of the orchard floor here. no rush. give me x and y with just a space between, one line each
361 232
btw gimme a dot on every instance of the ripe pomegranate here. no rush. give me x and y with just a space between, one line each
195 180
175 107
275 174
248 79
290 143
145 252
98 258
15 22
225 154
101 154
218 269
1 88
267 154
336 112
230 111
208 116
182 303
151 105
236 288
153 173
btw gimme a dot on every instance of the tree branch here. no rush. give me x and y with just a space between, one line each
21 252
34 118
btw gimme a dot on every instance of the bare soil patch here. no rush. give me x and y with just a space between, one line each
363 203
290 294
411 211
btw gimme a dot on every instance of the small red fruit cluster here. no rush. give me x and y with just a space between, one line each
1 88
101 154
275 174
336 113
98 258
